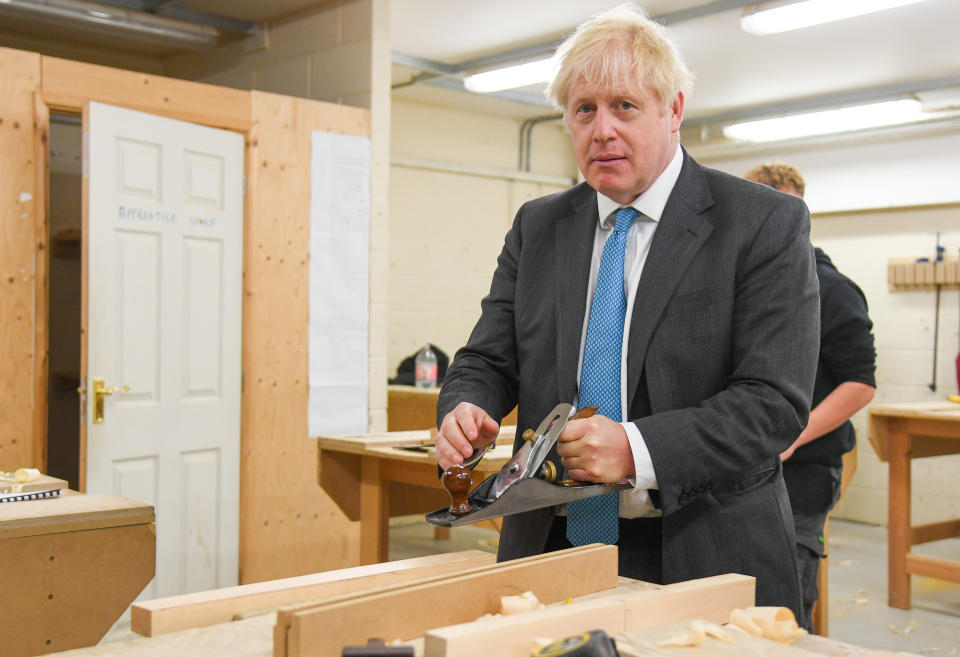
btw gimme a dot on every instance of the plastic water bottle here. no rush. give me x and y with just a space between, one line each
425 371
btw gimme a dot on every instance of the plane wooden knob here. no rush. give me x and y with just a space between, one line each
457 480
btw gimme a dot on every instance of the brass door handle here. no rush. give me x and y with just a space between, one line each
100 392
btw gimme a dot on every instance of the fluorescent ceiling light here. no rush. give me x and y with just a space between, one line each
796 15
510 77
825 122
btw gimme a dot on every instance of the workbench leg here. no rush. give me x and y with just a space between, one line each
898 519
374 513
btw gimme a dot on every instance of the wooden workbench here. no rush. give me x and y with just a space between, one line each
410 407
900 433
372 477
70 566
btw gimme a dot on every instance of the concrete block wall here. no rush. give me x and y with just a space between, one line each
338 52
861 245
447 223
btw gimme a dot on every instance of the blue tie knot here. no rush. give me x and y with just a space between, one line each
625 217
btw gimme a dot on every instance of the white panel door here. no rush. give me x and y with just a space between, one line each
164 212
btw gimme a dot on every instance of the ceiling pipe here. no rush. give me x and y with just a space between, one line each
107 20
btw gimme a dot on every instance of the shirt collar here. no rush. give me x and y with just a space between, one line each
651 202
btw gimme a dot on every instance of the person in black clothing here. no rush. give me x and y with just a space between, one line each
845 383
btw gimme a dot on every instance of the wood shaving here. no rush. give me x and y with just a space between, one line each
777 623
515 604
861 601
693 637
26 475
717 632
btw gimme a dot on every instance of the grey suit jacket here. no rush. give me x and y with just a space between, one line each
721 359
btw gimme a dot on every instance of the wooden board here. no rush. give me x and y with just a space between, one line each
20 365
43 483
628 607
289 526
406 612
71 513
181 612
65 590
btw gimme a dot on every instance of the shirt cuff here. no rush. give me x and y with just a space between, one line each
645 476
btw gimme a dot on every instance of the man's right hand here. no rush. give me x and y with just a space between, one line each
465 428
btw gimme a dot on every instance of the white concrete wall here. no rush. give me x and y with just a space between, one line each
447 227
905 175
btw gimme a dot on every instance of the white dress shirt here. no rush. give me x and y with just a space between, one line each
633 503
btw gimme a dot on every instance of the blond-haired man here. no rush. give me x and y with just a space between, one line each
681 300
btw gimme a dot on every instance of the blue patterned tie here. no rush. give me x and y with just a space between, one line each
596 519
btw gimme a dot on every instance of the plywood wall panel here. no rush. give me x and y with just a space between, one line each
19 79
68 85
288 524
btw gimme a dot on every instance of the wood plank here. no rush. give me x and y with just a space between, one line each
289 526
19 365
68 85
71 513
935 531
71 587
933 567
325 628
629 607
164 615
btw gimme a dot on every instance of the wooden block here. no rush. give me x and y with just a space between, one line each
71 513
405 612
180 612
43 483
623 609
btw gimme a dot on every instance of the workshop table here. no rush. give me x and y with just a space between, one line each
900 433
71 566
372 477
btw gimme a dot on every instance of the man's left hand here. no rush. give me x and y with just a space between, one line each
596 449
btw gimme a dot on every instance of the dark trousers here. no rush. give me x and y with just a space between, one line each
640 546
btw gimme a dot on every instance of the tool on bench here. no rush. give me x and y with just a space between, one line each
595 643
528 480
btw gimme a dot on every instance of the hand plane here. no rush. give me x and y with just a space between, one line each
527 481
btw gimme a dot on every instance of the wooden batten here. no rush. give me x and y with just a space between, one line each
68 85
621 610
405 612
41 247
181 612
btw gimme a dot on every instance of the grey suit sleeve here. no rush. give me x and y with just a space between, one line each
485 371
770 327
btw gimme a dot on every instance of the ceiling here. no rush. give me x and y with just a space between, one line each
912 49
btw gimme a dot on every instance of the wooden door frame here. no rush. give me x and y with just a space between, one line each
290 527
67 87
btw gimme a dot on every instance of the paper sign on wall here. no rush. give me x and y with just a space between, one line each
339 283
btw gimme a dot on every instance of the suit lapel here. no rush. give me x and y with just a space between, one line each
680 234
573 239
